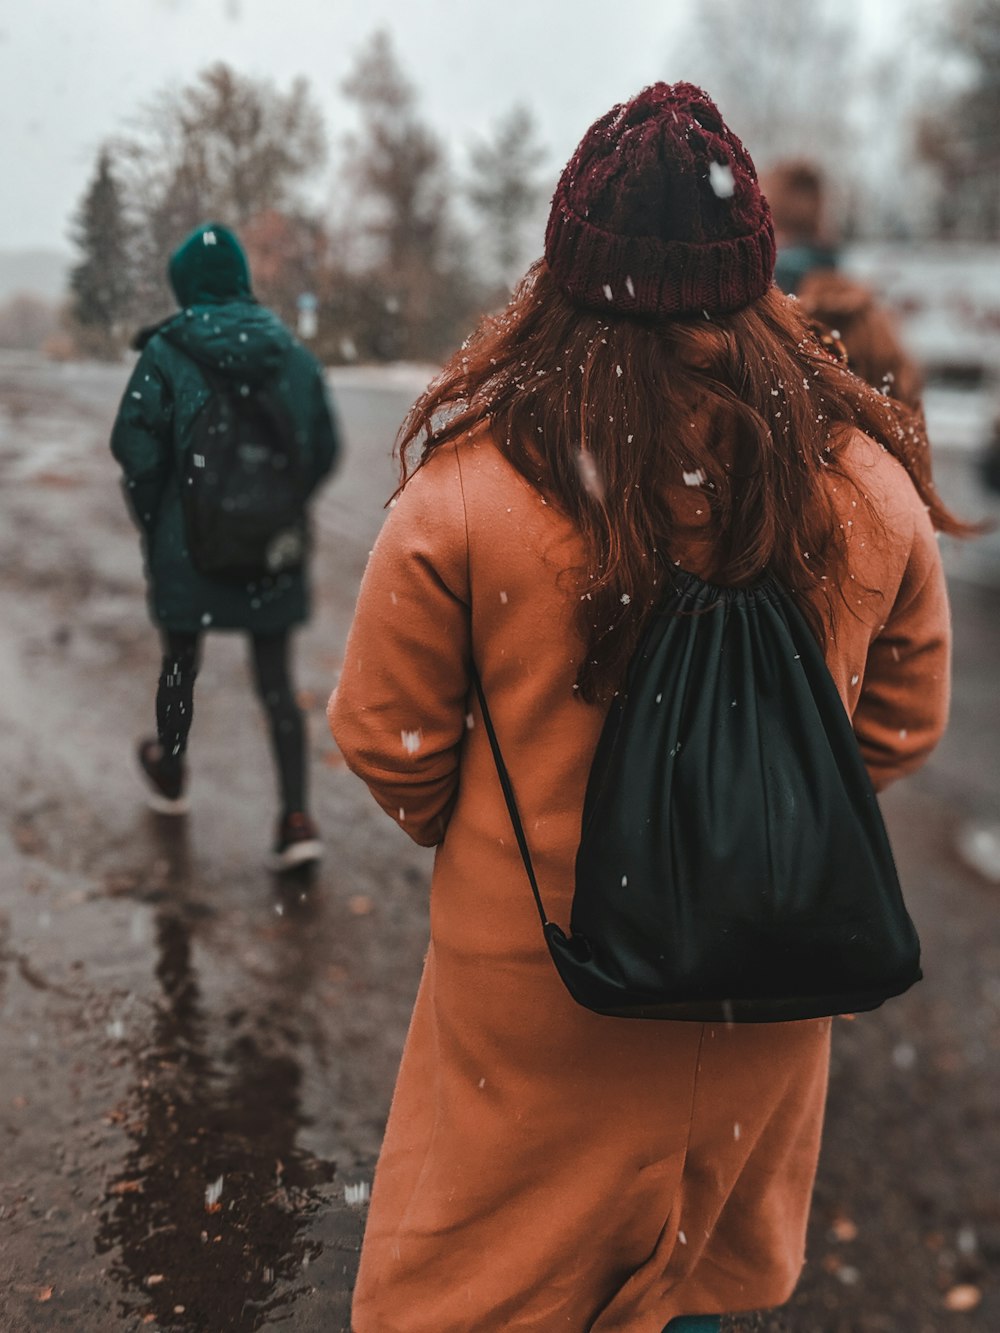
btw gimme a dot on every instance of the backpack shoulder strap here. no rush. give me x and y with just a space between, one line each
508 795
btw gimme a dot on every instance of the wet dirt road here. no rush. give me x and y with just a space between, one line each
197 1063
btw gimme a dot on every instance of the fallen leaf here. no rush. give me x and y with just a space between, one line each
126 1187
963 1298
27 839
843 1229
44 1294
58 480
119 885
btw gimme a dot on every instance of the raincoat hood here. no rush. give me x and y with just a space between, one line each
238 338
209 266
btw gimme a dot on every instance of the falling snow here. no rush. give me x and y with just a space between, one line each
589 476
720 177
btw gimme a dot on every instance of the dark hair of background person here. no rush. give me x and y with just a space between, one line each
568 392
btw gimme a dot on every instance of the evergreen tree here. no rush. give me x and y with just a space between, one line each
99 283
505 191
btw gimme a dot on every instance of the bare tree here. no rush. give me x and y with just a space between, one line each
505 190
288 258
413 264
962 145
396 163
786 77
226 147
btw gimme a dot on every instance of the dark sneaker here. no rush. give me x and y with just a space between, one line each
162 783
297 843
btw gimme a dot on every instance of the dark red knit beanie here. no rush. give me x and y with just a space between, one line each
659 212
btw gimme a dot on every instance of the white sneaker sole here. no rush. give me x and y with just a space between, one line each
155 801
298 854
979 848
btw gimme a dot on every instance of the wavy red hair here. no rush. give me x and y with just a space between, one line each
604 415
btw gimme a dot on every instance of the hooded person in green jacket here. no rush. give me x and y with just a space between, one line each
222 345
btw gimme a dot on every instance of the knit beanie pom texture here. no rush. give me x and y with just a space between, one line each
659 212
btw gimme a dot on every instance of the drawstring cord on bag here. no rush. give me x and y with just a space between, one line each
508 795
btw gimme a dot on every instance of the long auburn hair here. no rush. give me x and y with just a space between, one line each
604 415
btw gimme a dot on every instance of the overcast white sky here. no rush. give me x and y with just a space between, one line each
73 71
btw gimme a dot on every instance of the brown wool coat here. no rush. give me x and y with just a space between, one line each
546 1168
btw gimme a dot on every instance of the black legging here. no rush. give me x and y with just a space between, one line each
269 660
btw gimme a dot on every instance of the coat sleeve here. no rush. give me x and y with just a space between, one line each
325 442
141 438
903 707
398 713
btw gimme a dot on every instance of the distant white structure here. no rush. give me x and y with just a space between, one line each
308 322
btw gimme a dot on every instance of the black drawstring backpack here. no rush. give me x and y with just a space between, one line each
733 864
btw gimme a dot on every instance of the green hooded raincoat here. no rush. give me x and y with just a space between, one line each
222 327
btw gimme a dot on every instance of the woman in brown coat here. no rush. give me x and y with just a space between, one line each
648 398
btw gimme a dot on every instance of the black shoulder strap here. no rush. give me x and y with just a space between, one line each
508 795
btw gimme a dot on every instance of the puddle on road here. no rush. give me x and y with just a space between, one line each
206 1219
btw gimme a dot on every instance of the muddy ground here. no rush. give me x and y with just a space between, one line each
197 1062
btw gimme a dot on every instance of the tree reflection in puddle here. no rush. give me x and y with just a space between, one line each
208 1217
